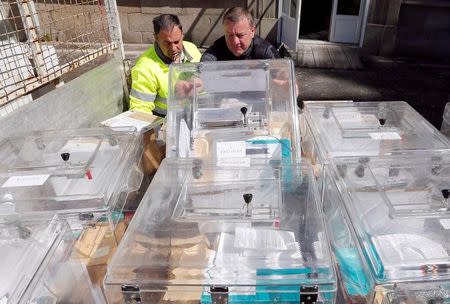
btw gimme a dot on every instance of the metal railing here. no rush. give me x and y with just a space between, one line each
40 40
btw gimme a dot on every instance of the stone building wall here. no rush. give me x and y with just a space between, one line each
201 20
381 28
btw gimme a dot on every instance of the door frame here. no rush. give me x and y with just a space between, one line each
292 21
364 17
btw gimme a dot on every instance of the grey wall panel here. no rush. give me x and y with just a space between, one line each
82 102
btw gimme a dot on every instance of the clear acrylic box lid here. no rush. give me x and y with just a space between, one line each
34 264
371 128
66 171
250 102
400 209
203 225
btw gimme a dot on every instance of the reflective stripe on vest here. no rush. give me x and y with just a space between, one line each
160 105
147 97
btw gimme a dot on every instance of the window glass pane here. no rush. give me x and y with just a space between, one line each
293 10
348 7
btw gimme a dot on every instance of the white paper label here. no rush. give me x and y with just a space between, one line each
230 149
234 162
385 135
25 180
445 223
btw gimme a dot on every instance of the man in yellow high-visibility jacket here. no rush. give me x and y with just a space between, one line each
149 87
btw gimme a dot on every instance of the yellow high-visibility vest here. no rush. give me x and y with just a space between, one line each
150 79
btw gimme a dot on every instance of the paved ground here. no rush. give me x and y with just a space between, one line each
424 87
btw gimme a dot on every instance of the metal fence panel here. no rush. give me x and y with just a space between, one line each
42 39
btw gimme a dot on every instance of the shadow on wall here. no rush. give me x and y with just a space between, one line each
201 20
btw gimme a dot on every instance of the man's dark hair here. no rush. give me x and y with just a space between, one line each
236 13
166 22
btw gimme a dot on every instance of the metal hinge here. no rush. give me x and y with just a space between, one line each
309 294
219 294
131 294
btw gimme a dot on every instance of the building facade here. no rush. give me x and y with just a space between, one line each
379 27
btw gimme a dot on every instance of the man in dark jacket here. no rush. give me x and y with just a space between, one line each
240 41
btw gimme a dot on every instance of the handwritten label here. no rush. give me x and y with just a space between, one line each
230 149
385 135
25 180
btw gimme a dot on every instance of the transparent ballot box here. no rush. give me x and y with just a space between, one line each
207 234
445 127
233 109
82 174
389 225
35 264
367 129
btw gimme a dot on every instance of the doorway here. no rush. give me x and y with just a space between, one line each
315 19
336 21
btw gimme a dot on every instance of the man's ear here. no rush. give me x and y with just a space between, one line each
253 29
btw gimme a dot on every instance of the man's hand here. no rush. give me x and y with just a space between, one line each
186 88
281 80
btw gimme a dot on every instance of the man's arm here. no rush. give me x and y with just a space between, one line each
210 54
272 53
143 91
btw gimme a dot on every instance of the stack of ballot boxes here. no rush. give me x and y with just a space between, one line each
384 176
83 176
232 214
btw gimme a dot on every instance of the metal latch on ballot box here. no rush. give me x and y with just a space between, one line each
131 294
219 294
309 294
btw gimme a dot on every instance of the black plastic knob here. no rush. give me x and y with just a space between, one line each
445 193
382 121
300 103
436 301
244 110
248 198
65 156
359 171
326 113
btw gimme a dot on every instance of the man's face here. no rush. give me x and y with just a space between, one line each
238 35
171 43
